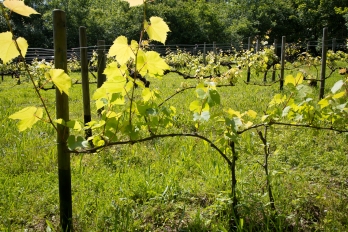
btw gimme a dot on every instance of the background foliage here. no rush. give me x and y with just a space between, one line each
190 21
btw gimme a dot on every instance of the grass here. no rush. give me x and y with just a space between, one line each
173 184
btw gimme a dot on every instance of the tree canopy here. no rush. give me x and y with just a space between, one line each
190 22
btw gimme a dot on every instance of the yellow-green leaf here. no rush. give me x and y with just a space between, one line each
252 113
19 7
60 79
28 117
121 50
8 49
289 80
147 94
339 95
157 30
264 117
196 106
151 63
299 78
74 125
323 103
112 71
135 2
234 113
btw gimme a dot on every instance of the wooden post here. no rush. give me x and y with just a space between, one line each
214 51
275 52
282 63
323 64
62 111
85 80
334 44
248 70
204 54
101 63
257 48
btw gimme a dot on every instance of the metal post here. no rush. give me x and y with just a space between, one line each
62 111
257 46
275 52
323 64
248 70
282 63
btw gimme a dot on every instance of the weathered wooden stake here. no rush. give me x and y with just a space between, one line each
204 54
282 63
275 52
62 111
257 48
334 44
85 80
214 51
323 64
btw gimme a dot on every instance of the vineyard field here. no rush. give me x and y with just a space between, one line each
173 184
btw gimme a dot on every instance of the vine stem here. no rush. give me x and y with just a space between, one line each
27 69
136 62
267 153
152 137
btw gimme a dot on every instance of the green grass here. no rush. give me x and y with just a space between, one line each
172 184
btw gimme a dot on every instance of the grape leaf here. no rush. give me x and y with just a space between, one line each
78 142
135 2
323 103
121 50
251 113
337 86
195 106
8 49
147 94
19 7
60 79
299 78
157 30
28 117
289 80
151 63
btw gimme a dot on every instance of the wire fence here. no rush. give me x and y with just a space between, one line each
309 46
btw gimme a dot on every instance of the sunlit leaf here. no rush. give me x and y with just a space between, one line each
135 2
299 78
147 94
74 125
289 80
157 30
264 117
151 63
234 113
28 117
60 79
8 49
121 50
323 103
251 113
337 86
19 7
195 106
339 95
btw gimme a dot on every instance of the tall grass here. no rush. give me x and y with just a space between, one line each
172 184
